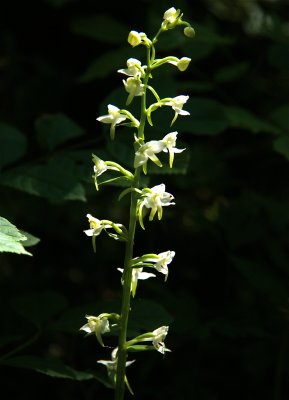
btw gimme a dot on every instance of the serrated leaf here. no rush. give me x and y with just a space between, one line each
56 129
10 238
100 27
39 307
30 240
56 180
54 368
13 144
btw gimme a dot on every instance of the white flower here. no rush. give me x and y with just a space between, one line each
97 325
134 68
136 275
161 261
148 151
135 38
134 87
111 365
96 226
182 63
171 17
170 142
99 168
113 117
177 104
154 198
159 337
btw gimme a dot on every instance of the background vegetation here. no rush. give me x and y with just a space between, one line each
226 298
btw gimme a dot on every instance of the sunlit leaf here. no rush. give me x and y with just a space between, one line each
11 238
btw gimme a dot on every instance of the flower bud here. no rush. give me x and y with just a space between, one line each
134 38
189 32
183 63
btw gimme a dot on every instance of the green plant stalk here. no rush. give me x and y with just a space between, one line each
127 273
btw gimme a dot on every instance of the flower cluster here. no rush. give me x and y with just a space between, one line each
144 200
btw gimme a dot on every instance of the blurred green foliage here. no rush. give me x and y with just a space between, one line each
226 299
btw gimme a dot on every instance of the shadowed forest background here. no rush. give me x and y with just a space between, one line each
226 297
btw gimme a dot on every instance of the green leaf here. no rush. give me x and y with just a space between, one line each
10 238
261 277
106 64
147 315
13 144
101 27
243 119
207 117
281 145
56 129
231 72
39 307
280 117
30 240
53 367
56 180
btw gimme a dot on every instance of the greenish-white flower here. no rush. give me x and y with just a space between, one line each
182 63
177 104
135 38
159 336
96 226
148 151
170 146
100 167
111 366
96 325
161 261
114 117
137 273
134 68
154 198
171 18
134 87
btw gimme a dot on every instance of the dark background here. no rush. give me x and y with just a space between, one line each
226 298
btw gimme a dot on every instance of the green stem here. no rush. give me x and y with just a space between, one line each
125 307
127 270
